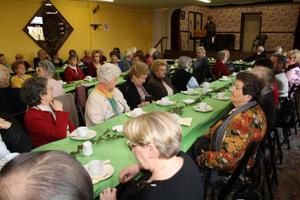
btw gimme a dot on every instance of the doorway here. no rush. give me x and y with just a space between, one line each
175 30
250 28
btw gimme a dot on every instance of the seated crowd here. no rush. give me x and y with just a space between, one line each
154 138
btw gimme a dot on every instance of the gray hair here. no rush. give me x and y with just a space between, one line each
221 55
4 79
47 66
184 62
108 72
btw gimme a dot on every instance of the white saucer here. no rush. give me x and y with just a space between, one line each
208 109
165 103
74 135
190 92
188 101
133 114
225 98
223 79
117 128
107 172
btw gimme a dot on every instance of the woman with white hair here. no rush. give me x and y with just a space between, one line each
105 101
182 78
154 139
46 69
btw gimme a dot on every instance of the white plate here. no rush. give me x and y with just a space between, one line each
165 103
107 172
208 109
118 128
190 92
75 136
233 74
133 114
225 98
188 101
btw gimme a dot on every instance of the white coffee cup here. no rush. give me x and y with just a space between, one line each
206 84
224 77
82 131
220 95
87 148
95 167
202 105
165 99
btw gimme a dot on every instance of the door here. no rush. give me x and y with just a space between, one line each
250 28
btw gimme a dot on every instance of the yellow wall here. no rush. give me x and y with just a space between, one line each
128 26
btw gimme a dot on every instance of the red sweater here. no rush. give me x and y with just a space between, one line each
220 69
71 74
43 128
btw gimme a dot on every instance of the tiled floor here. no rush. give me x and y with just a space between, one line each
289 172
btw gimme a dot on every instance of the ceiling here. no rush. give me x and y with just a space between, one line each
179 3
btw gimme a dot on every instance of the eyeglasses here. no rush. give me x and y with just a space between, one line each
131 145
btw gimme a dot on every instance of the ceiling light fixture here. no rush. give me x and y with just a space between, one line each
205 1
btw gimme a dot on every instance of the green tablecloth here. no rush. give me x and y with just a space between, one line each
70 87
117 150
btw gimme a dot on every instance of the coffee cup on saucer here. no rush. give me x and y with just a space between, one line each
82 131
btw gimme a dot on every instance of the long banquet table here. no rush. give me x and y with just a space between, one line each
117 151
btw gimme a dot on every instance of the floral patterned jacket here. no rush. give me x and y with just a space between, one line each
244 128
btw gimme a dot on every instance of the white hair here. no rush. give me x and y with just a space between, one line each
108 72
184 62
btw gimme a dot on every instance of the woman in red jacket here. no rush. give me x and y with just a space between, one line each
73 72
220 69
45 121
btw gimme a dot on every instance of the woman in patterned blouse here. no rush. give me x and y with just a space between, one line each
225 144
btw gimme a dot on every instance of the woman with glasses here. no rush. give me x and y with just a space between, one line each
155 139
45 121
105 101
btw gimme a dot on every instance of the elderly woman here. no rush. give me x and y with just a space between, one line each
10 100
220 69
45 121
105 101
46 69
93 66
158 84
133 90
182 78
73 72
225 144
18 79
293 69
201 69
266 98
126 62
45 175
154 139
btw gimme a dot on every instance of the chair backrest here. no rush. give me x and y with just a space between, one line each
69 106
241 168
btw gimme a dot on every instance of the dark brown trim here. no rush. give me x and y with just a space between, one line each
254 4
184 31
278 32
228 32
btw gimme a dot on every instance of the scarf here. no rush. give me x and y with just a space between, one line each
109 96
219 134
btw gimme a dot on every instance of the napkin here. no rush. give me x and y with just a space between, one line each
185 121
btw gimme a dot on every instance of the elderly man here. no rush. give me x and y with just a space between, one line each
260 54
201 69
279 62
42 55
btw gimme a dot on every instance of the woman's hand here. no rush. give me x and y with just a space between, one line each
56 105
4 124
129 172
109 194
144 103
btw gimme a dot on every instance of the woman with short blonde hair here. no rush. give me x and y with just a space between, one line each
154 138
159 85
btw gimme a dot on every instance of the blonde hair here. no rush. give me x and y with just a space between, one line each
158 128
201 49
138 69
157 63
295 55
